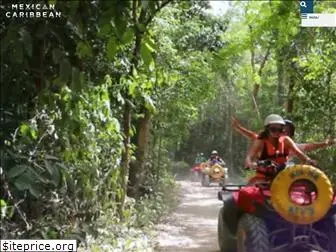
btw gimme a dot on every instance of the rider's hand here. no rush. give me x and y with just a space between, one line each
250 165
311 162
330 141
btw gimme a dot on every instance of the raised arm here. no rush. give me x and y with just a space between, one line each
289 143
252 153
306 147
245 132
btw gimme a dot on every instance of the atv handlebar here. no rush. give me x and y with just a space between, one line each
266 162
235 188
262 164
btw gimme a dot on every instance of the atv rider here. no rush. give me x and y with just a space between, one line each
215 159
274 145
200 158
198 162
289 131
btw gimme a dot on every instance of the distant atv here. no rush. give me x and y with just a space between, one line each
294 212
196 171
214 173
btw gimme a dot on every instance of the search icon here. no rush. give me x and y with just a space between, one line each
303 4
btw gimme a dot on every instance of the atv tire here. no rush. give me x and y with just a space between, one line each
226 242
194 176
332 235
205 180
252 235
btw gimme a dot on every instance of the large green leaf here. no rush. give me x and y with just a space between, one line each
17 170
34 191
111 48
37 176
105 30
24 129
120 25
83 50
128 35
3 208
146 53
24 181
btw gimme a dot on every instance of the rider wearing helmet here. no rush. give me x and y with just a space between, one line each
274 145
289 128
200 158
289 131
215 158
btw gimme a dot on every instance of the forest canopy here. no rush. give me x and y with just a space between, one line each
100 103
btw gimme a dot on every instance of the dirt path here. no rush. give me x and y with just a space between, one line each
193 226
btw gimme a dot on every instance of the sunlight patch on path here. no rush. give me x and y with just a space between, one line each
193 226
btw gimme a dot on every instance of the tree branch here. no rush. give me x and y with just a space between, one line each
262 65
163 4
252 53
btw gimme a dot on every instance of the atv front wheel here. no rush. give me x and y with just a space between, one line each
194 176
225 241
332 235
252 235
205 180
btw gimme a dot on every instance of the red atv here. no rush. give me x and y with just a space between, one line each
296 211
196 172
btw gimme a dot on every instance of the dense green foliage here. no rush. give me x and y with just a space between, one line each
288 69
98 104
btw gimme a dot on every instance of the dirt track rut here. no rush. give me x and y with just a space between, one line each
193 226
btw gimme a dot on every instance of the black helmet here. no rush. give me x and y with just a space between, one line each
291 127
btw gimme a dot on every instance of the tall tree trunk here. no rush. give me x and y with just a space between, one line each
125 158
127 116
137 168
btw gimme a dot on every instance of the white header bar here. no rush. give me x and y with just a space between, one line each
318 20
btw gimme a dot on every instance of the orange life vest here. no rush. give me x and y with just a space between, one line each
278 155
270 152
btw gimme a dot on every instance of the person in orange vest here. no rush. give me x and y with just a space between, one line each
289 131
273 144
